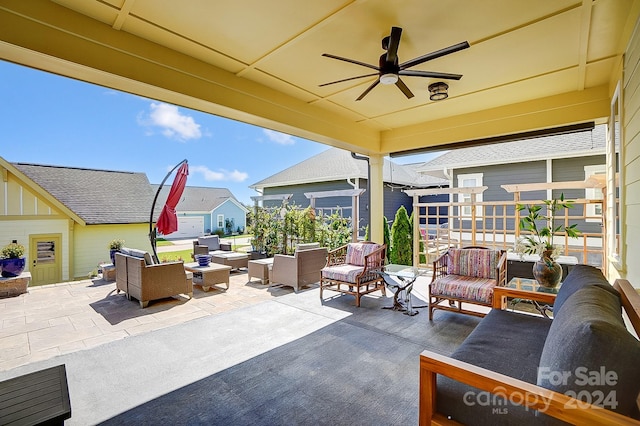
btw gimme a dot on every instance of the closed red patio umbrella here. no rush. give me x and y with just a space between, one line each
168 221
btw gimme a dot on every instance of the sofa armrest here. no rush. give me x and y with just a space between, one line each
500 295
225 246
534 397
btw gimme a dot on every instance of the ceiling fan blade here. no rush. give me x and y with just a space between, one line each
374 84
347 79
394 42
404 89
431 74
434 55
340 58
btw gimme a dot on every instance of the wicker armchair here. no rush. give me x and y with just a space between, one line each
354 269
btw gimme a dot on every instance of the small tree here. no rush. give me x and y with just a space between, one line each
401 252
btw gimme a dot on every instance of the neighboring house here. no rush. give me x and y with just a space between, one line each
560 158
66 216
203 210
336 169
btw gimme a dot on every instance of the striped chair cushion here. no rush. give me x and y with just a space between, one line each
464 287
478 263
357 251
346 273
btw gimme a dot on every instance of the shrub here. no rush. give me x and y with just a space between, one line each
402 250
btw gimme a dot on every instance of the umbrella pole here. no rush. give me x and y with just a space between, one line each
152 231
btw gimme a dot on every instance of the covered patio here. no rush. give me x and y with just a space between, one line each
531 69
251 355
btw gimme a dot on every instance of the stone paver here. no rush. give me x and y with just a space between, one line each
67 317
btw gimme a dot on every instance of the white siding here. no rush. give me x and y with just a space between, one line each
631 147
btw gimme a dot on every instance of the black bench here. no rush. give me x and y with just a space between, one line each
39 398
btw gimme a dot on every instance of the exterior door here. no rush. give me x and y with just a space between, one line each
44 259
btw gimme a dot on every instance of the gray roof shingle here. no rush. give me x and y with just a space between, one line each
96 196
195 198
338 164
558 146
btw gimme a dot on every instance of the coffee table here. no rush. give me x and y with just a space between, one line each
402 282
208 276
235 260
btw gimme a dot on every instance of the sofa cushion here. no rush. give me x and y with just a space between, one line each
497 344
481 263
211 241
356 252
581 276
148 260
588 341
307 246
464 287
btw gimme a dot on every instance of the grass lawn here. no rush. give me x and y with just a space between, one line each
171 256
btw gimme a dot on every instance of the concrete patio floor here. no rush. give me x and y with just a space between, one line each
60 318
127 365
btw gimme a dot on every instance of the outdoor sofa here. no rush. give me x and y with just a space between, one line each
516 368
140 278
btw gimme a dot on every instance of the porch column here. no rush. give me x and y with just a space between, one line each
376 199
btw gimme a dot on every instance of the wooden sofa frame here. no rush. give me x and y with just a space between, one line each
440 266
535 397
367 281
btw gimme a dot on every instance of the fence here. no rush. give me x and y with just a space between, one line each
495 224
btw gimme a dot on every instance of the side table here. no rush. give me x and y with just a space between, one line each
259 268
108 271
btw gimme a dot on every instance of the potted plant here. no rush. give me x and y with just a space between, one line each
114 247
540 241
12 260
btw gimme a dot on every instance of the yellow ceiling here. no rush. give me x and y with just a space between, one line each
531 65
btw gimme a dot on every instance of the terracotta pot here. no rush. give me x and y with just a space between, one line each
547 272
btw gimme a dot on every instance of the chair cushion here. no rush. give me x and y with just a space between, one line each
464 287
307 246
588 339
346 272
481 263
356 252
148 260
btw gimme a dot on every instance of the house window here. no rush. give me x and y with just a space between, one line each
594 211
469 181
220 221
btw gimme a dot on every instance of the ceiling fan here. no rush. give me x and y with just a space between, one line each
389 70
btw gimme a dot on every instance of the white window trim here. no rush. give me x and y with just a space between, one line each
593 193
478 177
220 221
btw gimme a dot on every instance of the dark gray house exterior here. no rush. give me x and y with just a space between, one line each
560 158
335 169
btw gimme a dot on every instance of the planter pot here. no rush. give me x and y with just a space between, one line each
253 255
12 267
547 272
112 254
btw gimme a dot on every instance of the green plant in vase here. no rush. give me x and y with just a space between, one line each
542 228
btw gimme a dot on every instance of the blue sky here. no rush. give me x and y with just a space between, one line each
48 119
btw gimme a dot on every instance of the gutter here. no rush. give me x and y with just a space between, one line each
362 157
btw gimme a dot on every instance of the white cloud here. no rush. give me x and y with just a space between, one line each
220 174
279 138
172 123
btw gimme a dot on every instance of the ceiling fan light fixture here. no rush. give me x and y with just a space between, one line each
438 91
389 78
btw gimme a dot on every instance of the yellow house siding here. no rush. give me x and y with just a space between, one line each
631 149
91 243
21 229
17 200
